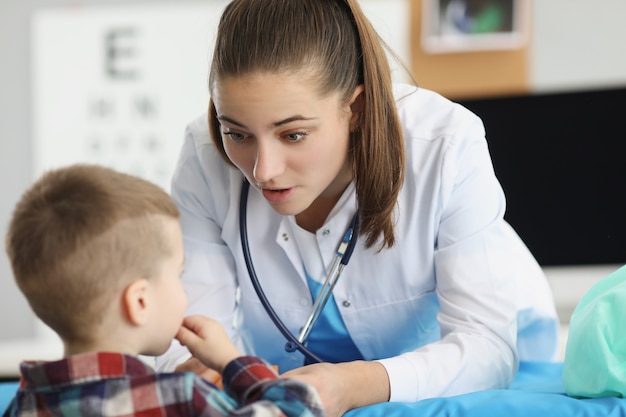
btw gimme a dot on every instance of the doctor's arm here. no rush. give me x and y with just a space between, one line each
477 310
476 288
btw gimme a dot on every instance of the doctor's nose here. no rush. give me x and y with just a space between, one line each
269 163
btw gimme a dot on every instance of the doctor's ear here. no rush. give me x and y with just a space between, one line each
357 106
136 301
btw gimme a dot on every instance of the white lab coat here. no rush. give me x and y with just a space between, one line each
457 273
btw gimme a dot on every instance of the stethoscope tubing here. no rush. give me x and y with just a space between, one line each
293 343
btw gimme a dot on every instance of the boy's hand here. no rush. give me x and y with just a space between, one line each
207 341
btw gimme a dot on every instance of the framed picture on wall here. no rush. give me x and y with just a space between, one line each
450 26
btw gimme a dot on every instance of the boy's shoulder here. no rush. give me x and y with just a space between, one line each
106 381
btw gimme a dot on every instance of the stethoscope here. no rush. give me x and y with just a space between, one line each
344 252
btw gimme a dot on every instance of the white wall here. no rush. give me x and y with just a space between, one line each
577 44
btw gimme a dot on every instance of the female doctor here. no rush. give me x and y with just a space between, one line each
440 296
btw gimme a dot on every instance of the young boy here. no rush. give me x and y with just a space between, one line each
98 255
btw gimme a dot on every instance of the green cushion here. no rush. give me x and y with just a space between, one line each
595 355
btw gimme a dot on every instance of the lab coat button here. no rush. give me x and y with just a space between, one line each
285 237
326 232
347 303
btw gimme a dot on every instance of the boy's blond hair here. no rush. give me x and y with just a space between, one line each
78 236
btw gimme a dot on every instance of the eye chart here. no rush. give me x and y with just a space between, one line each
116 85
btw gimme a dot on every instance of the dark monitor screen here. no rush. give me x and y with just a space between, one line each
561 160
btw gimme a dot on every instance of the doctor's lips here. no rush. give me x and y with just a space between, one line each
277 195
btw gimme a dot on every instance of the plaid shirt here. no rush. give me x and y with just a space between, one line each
113 384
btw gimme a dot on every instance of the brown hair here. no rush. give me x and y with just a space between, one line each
76 234
334 40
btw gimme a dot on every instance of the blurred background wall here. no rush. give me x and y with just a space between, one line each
125 76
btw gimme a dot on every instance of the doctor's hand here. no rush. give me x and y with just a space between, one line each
345 386
208 343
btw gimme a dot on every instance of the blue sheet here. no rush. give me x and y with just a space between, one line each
7 391
536 391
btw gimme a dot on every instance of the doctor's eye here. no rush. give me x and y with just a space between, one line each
295 136
234 136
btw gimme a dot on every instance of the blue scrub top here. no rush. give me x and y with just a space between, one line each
329 339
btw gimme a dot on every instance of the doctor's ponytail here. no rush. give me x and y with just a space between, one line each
379 155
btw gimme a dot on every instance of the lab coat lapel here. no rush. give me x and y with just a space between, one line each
285 239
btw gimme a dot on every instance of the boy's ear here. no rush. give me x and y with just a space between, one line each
136 301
